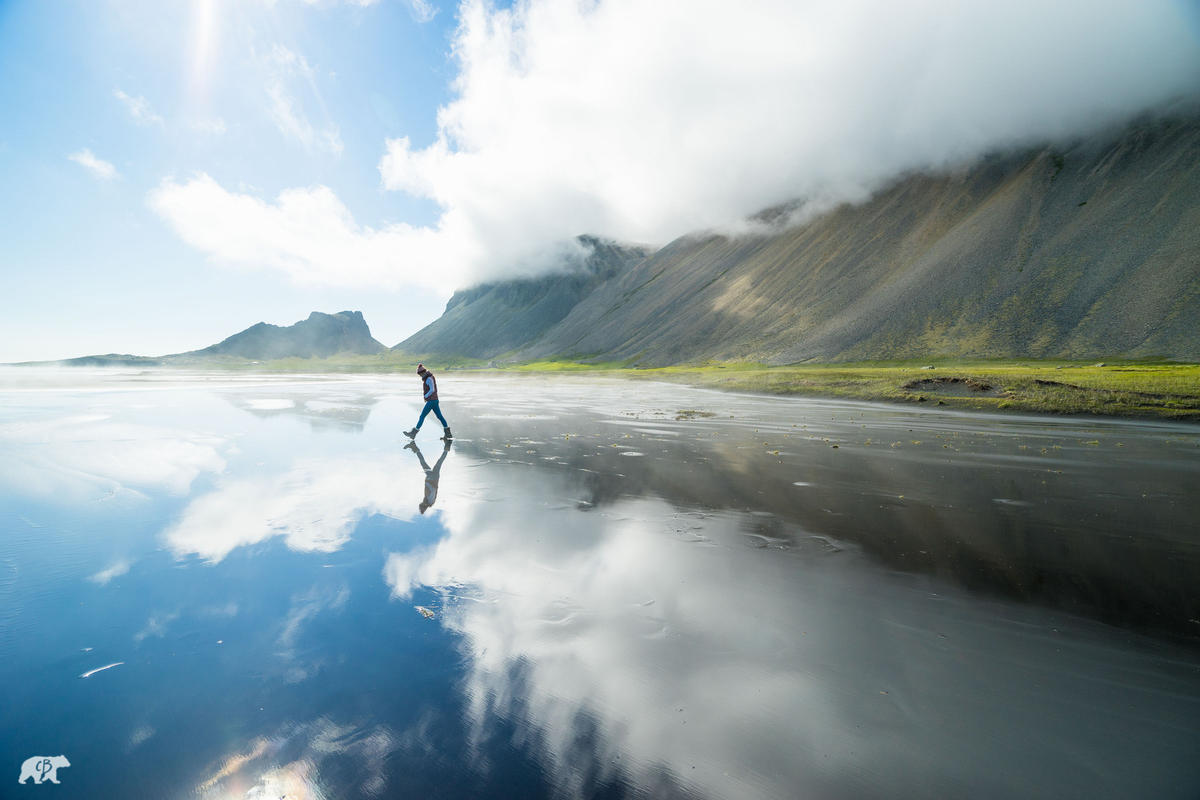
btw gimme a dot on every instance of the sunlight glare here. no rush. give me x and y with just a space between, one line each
203 43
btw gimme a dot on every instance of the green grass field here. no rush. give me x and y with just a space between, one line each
1164 390
1116 389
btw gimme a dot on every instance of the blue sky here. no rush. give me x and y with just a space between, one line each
172 172
88 266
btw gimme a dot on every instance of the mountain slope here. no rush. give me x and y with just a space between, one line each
1089 251
494 318
318 336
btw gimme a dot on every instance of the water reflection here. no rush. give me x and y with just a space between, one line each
114 570
432 474
288 764
87 456
1099 518
304 608
663 592
334 408
314 505
649 645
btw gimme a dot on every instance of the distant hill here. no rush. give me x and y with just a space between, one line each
107 360
1088 250
319 336
494 318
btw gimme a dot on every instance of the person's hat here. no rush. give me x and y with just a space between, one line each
420 368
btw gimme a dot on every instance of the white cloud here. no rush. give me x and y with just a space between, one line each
360 3
644 121
214 126
139 108
307 233
97 166
422 10
286 110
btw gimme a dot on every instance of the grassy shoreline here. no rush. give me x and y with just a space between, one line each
1121 389
1156 390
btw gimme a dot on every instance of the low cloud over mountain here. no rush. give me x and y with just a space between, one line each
642 121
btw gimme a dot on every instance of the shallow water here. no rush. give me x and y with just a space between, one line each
217 585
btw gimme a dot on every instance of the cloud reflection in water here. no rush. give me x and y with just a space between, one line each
314 506
289 762
680 656
646 643
712 619
81 456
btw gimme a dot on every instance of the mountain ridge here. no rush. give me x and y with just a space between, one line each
320 335
495 317
1087 250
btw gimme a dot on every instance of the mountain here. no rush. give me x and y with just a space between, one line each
1087 250
106 360
494 318
319 336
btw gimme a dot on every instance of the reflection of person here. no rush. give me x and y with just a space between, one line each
432 474
429 392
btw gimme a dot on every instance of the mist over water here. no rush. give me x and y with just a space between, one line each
620 588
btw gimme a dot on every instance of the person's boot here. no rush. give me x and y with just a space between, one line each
448 434
411 434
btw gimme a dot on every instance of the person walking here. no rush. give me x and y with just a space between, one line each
430 393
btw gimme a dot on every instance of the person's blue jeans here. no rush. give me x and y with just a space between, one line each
432 405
